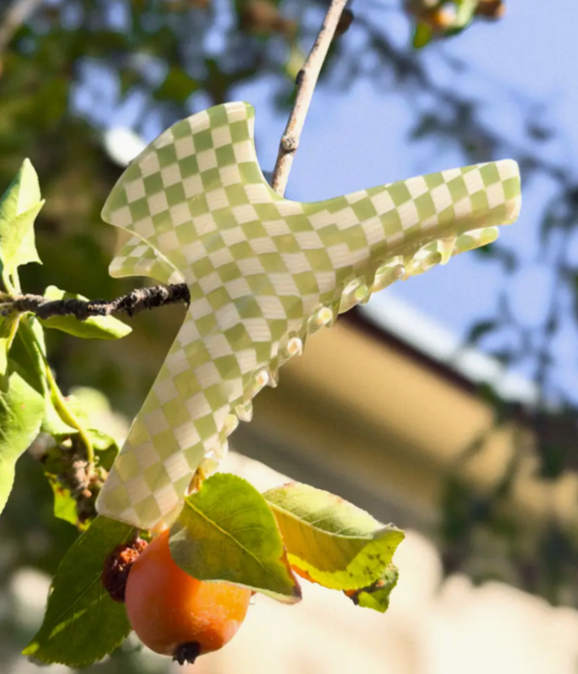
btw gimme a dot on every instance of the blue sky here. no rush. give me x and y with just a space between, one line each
525 62
358 139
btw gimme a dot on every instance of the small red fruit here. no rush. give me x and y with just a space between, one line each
117 567
175 614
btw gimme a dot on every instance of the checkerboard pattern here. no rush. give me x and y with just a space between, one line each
264 273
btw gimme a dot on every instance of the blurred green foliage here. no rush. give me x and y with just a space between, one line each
65 72
74 66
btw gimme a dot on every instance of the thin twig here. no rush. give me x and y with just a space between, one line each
157 296
18 12
306 81
136 301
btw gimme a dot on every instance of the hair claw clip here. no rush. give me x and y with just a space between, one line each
263 273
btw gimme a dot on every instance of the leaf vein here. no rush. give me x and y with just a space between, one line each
229 535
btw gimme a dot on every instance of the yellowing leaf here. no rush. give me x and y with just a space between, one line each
226 531
376 596
329 540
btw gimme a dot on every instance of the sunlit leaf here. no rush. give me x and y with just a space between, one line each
226 531
4 345
8 327
376 596
22 402
330 541
82 623
64 503
464 14
295 61
19 207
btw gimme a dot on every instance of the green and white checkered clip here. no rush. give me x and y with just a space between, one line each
263 273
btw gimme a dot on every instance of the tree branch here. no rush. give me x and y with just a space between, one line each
306 82
136 301
158 296
13 18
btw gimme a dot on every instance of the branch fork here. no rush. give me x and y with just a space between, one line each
153 297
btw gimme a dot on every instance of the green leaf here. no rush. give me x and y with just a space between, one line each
21 410
5 329
96 327
422 35
376 596
7 474
481 329
329 540
226 531
295 61
8 328
57 463
82 623
19 207
80 404
177 86
32 336
465 14
64 503
106 447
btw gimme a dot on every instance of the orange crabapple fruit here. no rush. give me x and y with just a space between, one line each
175 614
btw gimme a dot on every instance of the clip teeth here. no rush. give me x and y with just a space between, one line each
230 425
294 347
320 318
249 315
260 380
354 292
387 274
273 377
244 411
423 261
289 347
446 248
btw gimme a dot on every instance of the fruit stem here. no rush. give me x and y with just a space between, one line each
188 652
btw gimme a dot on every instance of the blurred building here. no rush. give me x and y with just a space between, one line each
379 410
380 413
